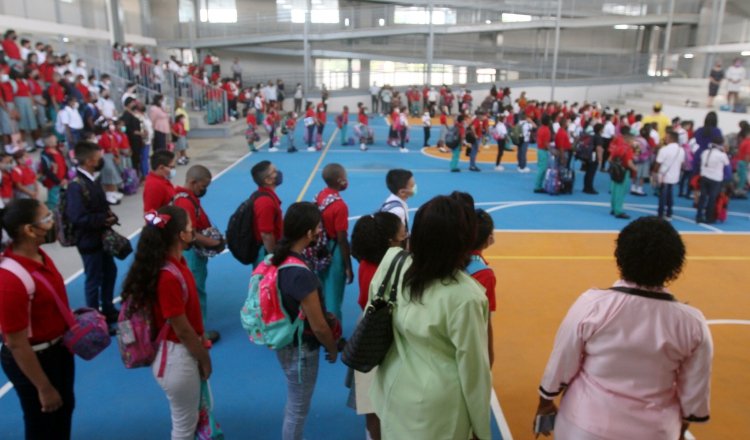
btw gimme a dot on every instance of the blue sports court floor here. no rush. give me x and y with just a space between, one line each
248 386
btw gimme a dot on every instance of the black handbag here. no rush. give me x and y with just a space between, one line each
116 245
373 336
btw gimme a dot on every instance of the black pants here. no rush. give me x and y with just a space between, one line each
710 190
160 142
588 178
426 136
374 101
57 363
605 153
101 273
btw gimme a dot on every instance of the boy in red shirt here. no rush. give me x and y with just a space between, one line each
320 120
158 190
290 123
268 220
342 122
54 169
621 151
24 177
6 178
251 133
310 126
481 271
335 215
123 145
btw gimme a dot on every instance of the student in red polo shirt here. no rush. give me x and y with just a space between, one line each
40 368
335 215
174 300
621 150
12 52
158 190
481 271
54 169
310 125
562 142
197 181
267 218
24 177
6 178
543 139
320 120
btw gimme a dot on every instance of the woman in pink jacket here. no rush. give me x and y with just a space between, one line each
160 119
631 361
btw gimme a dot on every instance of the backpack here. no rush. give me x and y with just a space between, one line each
452 138
584 148
263 315
318 255
66 234
240 236
130 181
476 265
135 329
516 134
617 170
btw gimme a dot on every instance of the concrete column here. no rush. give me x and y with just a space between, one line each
471 75
307 52
364 74
117 32
349 73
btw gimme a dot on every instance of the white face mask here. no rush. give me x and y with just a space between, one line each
4 78
172 173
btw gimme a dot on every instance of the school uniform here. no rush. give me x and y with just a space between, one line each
198 264
335 220
620 149
267 218
46 326
543 139
158 191
180 375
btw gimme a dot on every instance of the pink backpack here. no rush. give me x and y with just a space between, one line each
135 329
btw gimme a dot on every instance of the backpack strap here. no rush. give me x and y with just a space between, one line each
162 337
24 276
476 265
328 201
387 206
185 195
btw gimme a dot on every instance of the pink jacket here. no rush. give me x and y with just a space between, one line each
634 366
159 118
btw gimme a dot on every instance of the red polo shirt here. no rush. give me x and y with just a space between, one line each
62 167
57 93
362 118
11 49
6 186
47 70
365 275
198 217
84 90
46 321
22 89
486 278
172 304
7 90
320 115
23 175
620 148
543 137
562 140
157 192
251 120
109 143
267 214
336 215
35 88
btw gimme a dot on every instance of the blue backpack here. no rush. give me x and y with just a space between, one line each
476 265
263 315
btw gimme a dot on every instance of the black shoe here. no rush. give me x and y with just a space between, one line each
111 317
540 191
455 170
213 336
591 191
623 216
611 213
292 150
474 169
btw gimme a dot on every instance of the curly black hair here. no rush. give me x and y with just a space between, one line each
650 252
372 235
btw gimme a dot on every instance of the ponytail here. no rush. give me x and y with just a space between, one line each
300 218
281 251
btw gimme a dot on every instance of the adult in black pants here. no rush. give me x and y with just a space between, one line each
33 358
590 166
134 132
88 211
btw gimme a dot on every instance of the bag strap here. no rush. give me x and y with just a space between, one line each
23 275
392 298
383 284
185 195
162 336
67 315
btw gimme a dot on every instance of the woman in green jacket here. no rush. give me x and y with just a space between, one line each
435 381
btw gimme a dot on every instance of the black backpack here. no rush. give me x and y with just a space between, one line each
617 170
452 138
240 237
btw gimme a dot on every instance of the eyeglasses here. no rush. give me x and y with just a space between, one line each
49 218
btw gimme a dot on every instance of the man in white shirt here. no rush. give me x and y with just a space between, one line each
269 92
374 92
713 160
41 54
106 106
669 158
237 70
526 126
735 74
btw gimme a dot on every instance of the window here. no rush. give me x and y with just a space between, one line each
186 11
322 11
218 11
515 18
486 75
630 10
415 15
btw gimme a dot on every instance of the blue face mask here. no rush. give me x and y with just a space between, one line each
279 178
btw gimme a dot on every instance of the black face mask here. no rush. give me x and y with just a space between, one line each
279 178
51 235
201 193
100 165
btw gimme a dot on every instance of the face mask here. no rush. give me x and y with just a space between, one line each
99 165
201 193
172 173
4 78
343 185
414 190
74 106
279 178
82 65
123 129
28 162
51 235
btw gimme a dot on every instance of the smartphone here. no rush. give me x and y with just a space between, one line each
544 423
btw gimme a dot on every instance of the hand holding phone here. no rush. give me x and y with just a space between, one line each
544 424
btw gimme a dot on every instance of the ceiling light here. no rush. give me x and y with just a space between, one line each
346 22
381 22
745 53
488 21
688 56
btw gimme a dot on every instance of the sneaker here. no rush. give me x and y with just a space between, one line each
455 170
521 170
273 149
311 149
499 168
622 216
540 191
112 199
527 170
292 150
253 150
403 150
363 147
474 169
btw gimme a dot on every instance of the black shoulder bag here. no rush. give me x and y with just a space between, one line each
373 336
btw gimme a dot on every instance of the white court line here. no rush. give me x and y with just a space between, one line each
728 322
500 417
382 170
8 386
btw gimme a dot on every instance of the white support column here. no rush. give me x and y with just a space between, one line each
667 38
557 50
430 45
306 47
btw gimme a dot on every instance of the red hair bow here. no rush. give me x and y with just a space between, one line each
155 219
